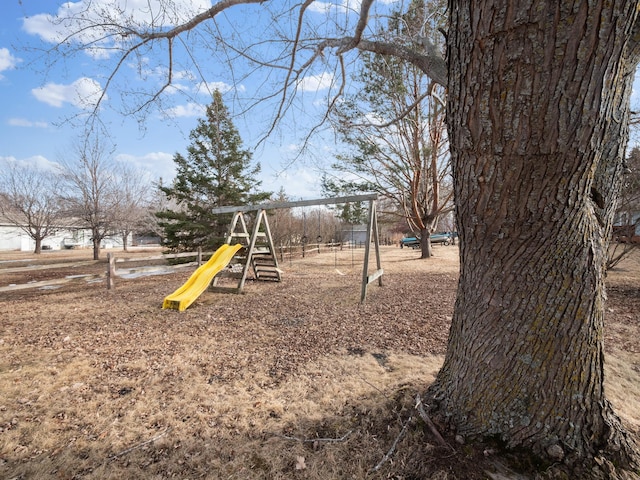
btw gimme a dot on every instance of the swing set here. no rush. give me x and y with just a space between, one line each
259 253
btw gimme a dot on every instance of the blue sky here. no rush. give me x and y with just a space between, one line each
38 98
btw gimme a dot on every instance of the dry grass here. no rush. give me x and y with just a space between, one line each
99 384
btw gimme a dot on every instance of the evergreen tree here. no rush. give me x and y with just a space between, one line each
353 213
216 171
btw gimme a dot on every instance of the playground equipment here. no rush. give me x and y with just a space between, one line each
200 279
260 252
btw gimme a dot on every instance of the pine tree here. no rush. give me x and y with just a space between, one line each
394 133
216 171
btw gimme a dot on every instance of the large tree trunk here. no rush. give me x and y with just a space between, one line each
125 236
38 239
538 118
425 243
96 244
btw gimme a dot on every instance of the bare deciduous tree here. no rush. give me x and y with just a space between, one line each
395 130
29 199
134 201
92 190
404 159
627 221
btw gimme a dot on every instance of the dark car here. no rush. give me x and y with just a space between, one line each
414 242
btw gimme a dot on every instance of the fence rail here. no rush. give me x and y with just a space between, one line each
51 283
49 266
110 273
112 260
302 250
116 266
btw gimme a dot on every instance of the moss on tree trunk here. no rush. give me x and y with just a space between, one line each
538 119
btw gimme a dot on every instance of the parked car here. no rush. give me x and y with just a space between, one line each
414 242
444 238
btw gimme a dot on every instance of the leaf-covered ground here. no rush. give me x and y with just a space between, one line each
289 380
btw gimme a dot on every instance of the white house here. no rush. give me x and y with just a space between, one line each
355 234
14 238
627 223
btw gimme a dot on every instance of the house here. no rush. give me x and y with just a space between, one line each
354 235
627 226
65 237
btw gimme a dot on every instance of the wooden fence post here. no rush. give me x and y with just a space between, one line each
199 256
111 270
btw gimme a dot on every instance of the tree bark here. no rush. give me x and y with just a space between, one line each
125 236
38 247
425 243
96 244
538 123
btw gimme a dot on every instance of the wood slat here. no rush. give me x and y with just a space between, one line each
47 283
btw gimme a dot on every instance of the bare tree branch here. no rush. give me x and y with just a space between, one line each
303 8
200 18
397 118
362 24
432 65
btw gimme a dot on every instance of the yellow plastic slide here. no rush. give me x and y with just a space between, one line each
200 279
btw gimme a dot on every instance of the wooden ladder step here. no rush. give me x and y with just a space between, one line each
273 276
264 261
229 274
266 268
267 271
223 289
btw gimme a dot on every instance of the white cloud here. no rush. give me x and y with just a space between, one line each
189 110
373 118
343 6
8 159
157 164
291 147
7 61
93 22
38 162
83 93
163 72
325 7
321 7
23 122
298 183
207 88
314 83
